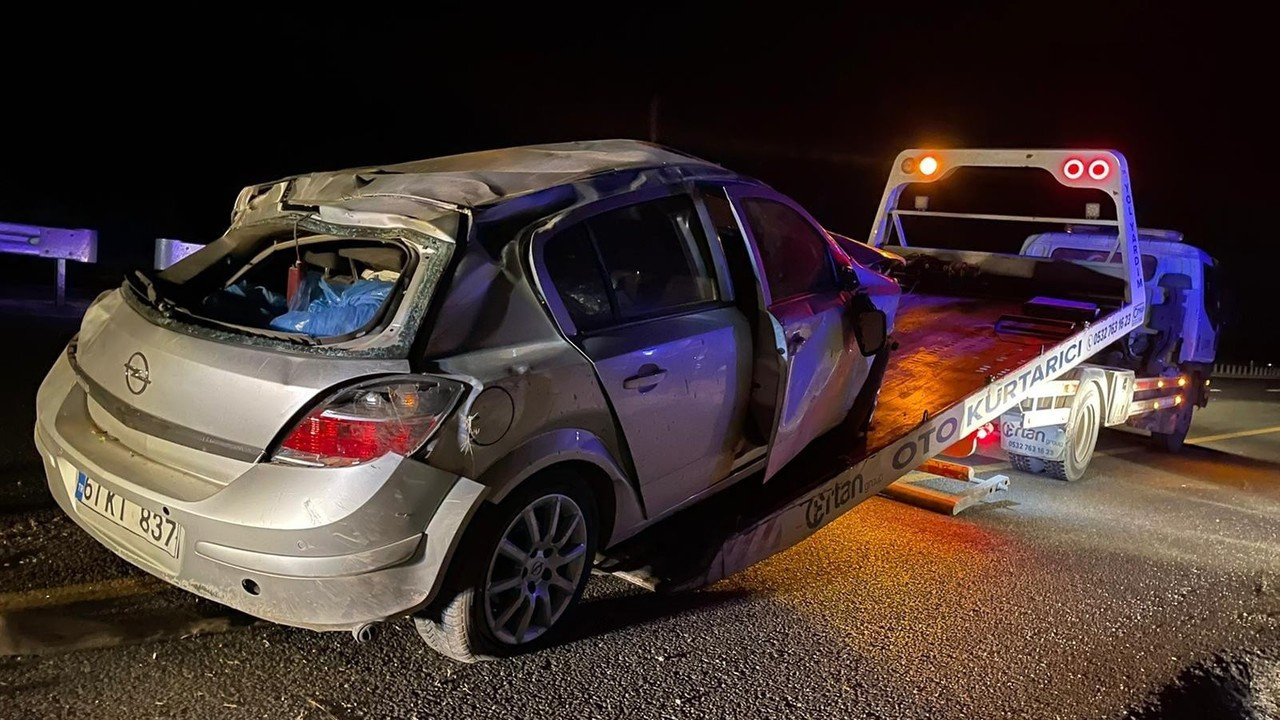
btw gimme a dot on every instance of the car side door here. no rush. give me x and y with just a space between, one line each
822 365
641 293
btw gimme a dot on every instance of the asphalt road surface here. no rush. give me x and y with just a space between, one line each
1150 589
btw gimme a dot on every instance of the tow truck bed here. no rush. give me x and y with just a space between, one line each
948 348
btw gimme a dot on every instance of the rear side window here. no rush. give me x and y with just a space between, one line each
633 262
656 256
795 255
737 257
571 261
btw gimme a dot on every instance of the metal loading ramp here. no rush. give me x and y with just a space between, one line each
944 487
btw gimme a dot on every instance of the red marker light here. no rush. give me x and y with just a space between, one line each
1073 168
1099 169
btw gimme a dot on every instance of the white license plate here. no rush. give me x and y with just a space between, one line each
144 522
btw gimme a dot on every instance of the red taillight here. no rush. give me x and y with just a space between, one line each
1099 169
368 421
1073 168
355 439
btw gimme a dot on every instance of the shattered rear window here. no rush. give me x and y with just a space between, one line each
331 289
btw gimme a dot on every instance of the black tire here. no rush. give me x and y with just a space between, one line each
460 623
1026 463
1057 469
1082 435
1171 442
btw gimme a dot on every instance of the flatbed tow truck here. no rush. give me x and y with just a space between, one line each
1009 339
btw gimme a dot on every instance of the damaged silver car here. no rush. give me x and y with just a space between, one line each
442 388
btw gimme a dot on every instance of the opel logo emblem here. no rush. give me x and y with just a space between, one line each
137 373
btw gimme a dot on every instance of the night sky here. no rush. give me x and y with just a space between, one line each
143 133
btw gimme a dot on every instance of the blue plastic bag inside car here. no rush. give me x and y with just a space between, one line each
245 304
336 309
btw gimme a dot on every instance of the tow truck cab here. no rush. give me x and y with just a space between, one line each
1182 327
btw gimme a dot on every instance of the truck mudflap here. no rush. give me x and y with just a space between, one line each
1044 443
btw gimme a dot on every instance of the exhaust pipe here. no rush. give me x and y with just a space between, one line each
365 632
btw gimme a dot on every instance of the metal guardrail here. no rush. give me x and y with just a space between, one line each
58 244
1246 372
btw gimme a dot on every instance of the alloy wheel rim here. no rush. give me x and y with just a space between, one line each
535 569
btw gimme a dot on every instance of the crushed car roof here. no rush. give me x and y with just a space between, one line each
487 177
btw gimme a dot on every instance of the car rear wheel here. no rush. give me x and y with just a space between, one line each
519 576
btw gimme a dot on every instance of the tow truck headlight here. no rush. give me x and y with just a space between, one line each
366 421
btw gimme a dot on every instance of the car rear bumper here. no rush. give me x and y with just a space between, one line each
319 548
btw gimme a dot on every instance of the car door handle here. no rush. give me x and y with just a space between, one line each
645 381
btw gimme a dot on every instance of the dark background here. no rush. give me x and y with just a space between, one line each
147 126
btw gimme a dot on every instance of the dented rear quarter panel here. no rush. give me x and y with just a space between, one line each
536 400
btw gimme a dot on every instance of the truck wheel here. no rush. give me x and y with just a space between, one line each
1082 436
1171 442
518 576
1026 463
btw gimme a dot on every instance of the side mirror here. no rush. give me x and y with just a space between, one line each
872 331
848 279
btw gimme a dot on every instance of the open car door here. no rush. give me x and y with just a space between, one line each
808 367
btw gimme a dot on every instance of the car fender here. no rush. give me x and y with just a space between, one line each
568 445
884 292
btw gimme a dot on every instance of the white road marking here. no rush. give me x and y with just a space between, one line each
1233 435
1215 389
67 594
46 632
1273 389
72 617
992 467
